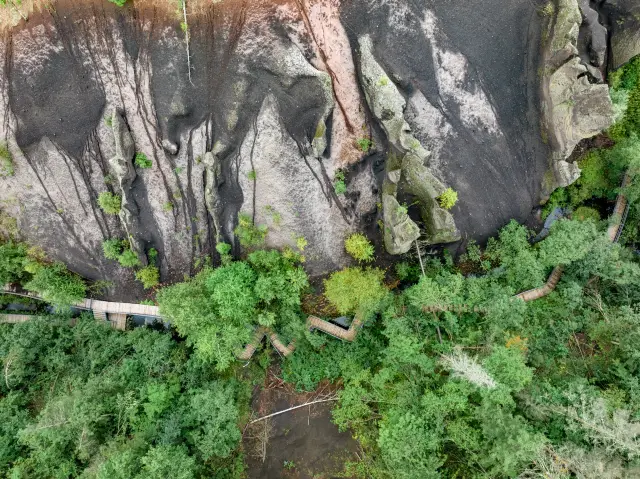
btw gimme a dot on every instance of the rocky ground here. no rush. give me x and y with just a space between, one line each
274 98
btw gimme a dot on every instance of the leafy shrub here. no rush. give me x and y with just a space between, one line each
359 247
119 3
110 203
584 213
57 285
152 255
149 276
223 248
249 234
119 250
355 289
448 199
364 144
141 161
6 161
12 260
112 248
301 243
168 206
128 258
339 184
340 187
252 175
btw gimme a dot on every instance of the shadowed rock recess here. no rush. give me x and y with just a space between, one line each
406 98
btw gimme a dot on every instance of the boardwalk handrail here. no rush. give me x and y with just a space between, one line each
131 309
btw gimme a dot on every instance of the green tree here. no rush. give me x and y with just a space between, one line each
12 261
57 285
149 276
359 247
110 203
162 462
355 289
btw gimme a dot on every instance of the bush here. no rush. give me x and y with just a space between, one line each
448 199
119 3
12 260
141 161
249 234
585 213
128 259
355 289
110 203
149 276
340 187
339 184
359 247
364 144
113 248
6 161
57 285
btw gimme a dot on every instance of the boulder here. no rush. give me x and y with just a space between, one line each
399 230
577 108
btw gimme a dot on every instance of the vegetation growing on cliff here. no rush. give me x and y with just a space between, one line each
450 375
110 203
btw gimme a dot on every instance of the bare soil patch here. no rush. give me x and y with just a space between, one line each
302 443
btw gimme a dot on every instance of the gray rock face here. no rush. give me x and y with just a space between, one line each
574 108
213 180
124 172
595 34
291 193
624 18
448 96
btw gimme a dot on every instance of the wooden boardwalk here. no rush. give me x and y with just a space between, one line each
116 313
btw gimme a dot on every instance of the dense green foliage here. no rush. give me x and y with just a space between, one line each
249 235
56 284
149 276
29 268
218 309
88 401
359 247
354 288
120 251
141 161
505 391
110 203
12 262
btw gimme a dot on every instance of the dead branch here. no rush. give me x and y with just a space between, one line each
335 398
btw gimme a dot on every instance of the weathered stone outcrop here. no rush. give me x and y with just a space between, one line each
574 107
624 18
124 172
387 105
212 181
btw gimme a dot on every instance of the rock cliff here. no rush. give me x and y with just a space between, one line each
259 107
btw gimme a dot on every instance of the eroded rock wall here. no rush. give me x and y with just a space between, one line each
277 100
